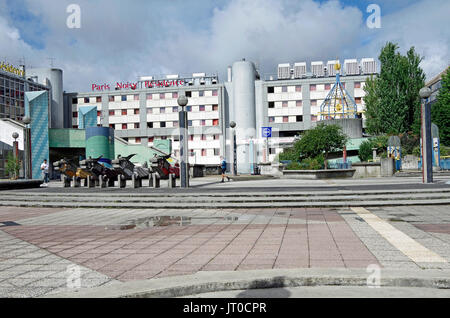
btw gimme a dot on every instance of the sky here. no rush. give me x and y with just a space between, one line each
119 40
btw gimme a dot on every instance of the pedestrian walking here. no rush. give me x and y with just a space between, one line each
223 167
44 168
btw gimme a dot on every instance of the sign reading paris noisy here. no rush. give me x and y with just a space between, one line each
140 84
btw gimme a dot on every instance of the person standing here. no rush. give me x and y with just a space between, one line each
223 167
44 168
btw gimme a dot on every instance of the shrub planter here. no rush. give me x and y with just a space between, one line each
318 174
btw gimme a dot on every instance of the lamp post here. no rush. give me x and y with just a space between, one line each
15 135
184 173
27 148
427 163
233 148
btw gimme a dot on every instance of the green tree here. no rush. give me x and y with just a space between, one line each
323 139
440 111
392 99
12 166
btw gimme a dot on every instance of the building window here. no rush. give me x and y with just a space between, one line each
149 96
216 137
124 112
175 95
271 119
313 102
215 107
124 98
74 100
357 84
162 124
162 96
111 125
271 104
188 94
189 123
175 109
285 119
98 99
216 152
136 97
111 113
150 125
298 88
150 139
203 122
284 104
175 124
203 152
327 87
136 111
124 126
162 110
215 122
299 118
298 103
111 98
202 108
203 137
191 137
284 89
75 126
99 113
201 93
270 90
138 140
312 87
75 114
188 108
136 126
86 100
214 92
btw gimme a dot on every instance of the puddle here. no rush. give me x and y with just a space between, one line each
161 221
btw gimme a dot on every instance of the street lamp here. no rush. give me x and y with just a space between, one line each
184 173
15 135
427 163
233 149
27 147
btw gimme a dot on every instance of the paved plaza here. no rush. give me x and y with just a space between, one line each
43 249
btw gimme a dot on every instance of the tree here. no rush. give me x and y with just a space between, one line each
440 110
392 99
12 166
323 139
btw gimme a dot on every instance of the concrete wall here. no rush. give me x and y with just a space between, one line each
352 127
367 170
410 162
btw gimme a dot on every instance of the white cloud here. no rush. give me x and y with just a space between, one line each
120 40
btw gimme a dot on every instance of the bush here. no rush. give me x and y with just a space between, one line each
416 151
12 166
288 154
409 142
293 166
365 151
445 151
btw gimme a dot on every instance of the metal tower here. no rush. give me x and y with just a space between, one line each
338 103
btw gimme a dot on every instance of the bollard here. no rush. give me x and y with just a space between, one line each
122 181
172 181
90 182
135 181
156 181
102 182
76 182
150 180
111 183
66 182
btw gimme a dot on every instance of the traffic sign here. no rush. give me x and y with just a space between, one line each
267 132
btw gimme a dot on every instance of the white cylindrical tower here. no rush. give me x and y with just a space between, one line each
53 78
243 114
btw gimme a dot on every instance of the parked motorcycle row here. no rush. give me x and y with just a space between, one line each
96 172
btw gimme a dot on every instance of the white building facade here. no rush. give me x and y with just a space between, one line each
289 103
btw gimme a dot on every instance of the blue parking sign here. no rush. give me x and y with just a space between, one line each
267 132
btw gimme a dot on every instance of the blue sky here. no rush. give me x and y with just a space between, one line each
121 40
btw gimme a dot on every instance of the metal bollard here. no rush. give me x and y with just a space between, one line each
76 183
150 180
122 181
135 181
66 182
102 182
90 182
156 181
172 181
